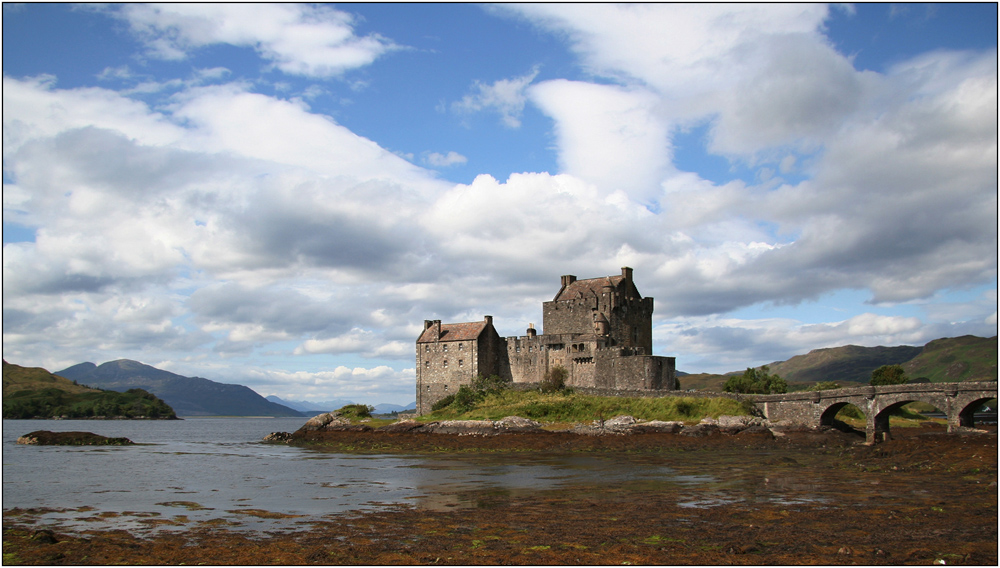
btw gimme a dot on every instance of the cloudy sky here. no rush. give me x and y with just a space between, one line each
279 195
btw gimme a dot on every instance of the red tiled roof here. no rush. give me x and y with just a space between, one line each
454 332
588 287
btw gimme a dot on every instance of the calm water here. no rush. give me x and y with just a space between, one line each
215 470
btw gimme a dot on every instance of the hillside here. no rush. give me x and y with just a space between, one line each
849 363
33 392
966 358
189 396
942 360
17 378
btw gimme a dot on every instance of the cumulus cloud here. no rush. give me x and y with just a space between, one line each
186 226
298 39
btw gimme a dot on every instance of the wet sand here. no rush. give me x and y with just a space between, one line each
924 497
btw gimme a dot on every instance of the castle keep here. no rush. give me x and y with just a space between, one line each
600 330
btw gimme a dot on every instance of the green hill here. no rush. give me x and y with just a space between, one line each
966 358
17 378
850 363
33 392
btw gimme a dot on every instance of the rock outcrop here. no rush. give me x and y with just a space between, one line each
47 438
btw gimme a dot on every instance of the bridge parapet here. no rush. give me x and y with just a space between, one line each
815 408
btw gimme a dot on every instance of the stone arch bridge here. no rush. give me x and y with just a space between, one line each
817 408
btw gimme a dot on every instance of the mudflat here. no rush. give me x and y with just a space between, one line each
924 497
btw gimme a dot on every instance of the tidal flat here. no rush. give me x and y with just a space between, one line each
924 497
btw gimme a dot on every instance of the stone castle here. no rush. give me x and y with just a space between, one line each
600 330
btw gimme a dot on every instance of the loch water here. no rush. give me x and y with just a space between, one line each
216 470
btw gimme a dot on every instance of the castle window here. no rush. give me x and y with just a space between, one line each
444 347
427 364
427 348
461 346
445 362
459 362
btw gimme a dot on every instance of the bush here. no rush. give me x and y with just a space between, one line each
443 403
355 411
824 385
490 385
555 380
889 375
756 381
466 398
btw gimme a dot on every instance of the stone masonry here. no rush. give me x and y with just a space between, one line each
600 330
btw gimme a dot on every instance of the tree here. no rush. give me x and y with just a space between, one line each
889 375
555 380
756 381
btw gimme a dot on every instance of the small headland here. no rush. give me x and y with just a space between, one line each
47 438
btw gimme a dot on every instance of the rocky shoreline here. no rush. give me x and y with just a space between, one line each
316 426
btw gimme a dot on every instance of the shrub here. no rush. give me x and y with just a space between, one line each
824 385
443 403
756 381
466 398
490 385
354 411
889 375
555 380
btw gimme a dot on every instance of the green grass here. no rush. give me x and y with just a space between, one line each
563 407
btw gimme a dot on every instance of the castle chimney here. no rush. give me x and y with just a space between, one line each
568 279
627 273
531 330
488 320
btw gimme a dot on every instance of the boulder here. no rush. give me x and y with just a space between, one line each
463 427
761 432
620 422
701 429
401 426
327 421
516 424
669 427
277 438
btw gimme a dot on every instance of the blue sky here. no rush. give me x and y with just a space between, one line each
279 195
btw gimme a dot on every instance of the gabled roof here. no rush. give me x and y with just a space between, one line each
588 287
453 332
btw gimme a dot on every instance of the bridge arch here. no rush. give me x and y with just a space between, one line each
966 416
829 414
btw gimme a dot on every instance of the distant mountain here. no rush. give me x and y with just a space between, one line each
189 396
942 360
311 407
850 363
390 408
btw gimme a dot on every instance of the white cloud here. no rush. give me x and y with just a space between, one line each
444 160
506 97
601 128
298 39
